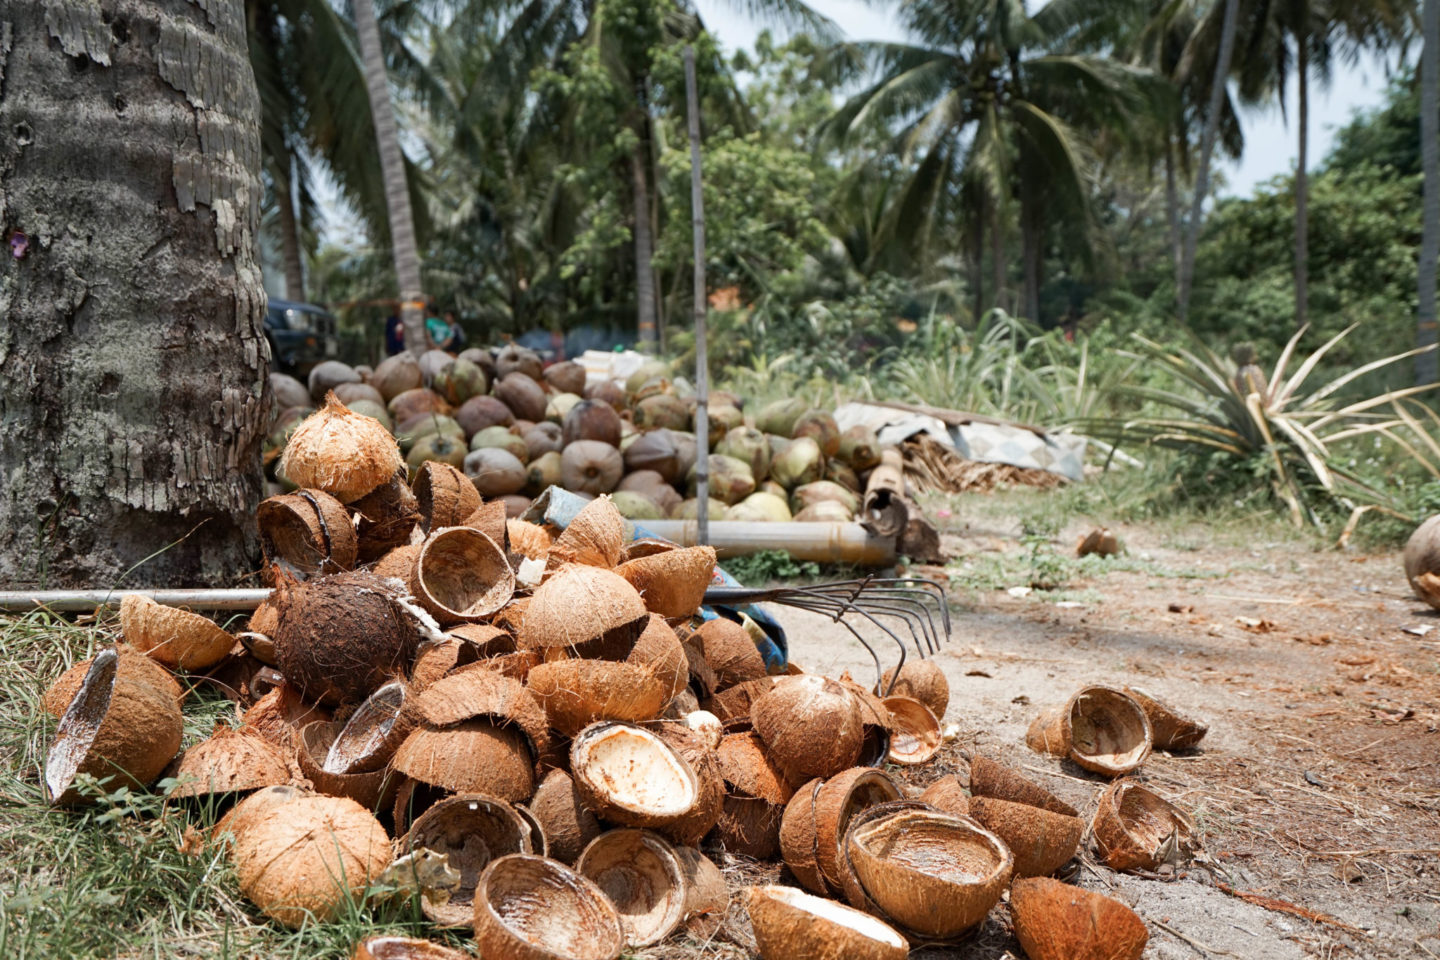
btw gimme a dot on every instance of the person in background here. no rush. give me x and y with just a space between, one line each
394 335
436 329
457 332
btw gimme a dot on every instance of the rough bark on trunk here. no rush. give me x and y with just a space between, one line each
290 242
397 188
134 390
1302 187
1425 363
644 253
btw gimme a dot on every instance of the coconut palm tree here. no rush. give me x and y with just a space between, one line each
1425 365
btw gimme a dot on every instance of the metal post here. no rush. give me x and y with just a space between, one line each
702 371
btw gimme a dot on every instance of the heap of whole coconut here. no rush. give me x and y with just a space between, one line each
515 429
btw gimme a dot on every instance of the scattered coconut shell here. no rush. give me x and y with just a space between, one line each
1136 828
736 702
533 908
177 638
473 756
914 732
582 605
568 826
789 924
702 678
991 779
577 693
309 857
659 650
948 795
749 771
1169 730
696 750
343 453
595 537
461 575
116 729
528 539
374 732
373 790
921 679
640 873
1100 542
131 665
797 837
229 761
706 897
398 563
491 519
673 583
1042 841
1100 728
405 948
476 691
749 827
630 776
730 651
279 714
444 495
254 809
307 532
854 893
471 831
934 873
839 799
811 726
387 516
1057 921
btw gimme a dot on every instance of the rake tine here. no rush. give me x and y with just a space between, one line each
851 608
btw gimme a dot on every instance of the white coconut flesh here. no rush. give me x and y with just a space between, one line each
836 913
366 731
80 723
638 773
948 851
1100 729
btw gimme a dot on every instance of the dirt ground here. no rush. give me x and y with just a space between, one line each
1318 785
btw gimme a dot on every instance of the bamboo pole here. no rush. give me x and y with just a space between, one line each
702 360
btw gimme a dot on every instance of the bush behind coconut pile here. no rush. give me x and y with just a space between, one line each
515 428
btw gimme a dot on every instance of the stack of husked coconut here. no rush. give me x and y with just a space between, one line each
533 731
515 430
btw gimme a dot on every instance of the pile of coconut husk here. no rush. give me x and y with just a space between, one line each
539 734
516 429
932 467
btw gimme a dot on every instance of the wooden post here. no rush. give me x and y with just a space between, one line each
702 362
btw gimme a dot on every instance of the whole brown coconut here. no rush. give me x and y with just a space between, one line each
471 831
177 638
789 924
310 857
820 426
1422 561
340 452
395 375
533 908
116 729
641 874
1055 921
673 583
991 779
517 359
859 448
1136 828
608 391
342 636
495 472
583 606
328 375
568 826
730 652
657 450
522 395
630 776
414 404
1041 841
922 680
811 726
544 473
351 393
133 665
229 761
591 466
477 413
1100 728
460 380
307 532
541 439
288 391
592 420
566 376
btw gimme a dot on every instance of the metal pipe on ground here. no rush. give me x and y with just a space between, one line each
818 542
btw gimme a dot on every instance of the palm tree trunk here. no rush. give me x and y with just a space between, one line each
397 189
290 241
1207 148
1302 185
997 257
1032 241
1425 363
977 260
1172 201
133 362
644 253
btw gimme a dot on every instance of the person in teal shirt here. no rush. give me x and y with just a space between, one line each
441 336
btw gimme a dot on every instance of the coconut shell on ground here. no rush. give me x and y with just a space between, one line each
694 748
947 795
1169 730
748 771
595 537
373 790
797 837
388 515
581 605
706 896
254 809
533 908
176 638
659 650
991 779
473 756
343 453
673 583
398 563
307 532
811 726
854 893
478 692
373 733
1422 561
1057 921
789 923
641 874
1100 728
914 731
749 827
1041 841
630 776
405 948
921 679
730 651
528 539
577 693
444 496
702 678
279 715
735 702
461 575
132 665
568 826
1137 829
471 831
839 799
229 761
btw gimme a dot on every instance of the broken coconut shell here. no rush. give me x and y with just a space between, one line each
179 639
640 873
568 826
533 908
811 726
702 678
309 857
1136 828
529 540
577 693
1042 841
948 796
789 924
630 776
1057 921
797 837
595 538
306 533
706 897
1422 561
695 749
921 679
991 779
673 583
850 885
405 948
473 756
387 516
735 702
490 519
934 873
839 799
444 496
373 732
748 771
581 605
343 453
471 831
229 761
659 650
1099 728
749 827
373 790
730 651
1169 730
914 732
114 727
279 715
461 575
476 691
132 665
398 563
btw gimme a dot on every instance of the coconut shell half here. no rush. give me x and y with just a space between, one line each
920 679
476 691
730 651
749 827
115 729
474 756
387 516
792 924
306 533
797 837
373 732
696 750
707 899
132 665
948 796
1169 729
530 540
568 826
630 776
595 538
533 908
1041 841
405 948
461 575
343 453
1137 829
577 693
444 496
640 873
659 650
229 761
991 779
673 583
279 715
179 639
374 790
839 799
582 605
914 731
748 771
1055 921
1101 729
471 831
855 894
811 726
489 518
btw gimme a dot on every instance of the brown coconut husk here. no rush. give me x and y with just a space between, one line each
641 874
631 776
131 665
696 750
1056 921
1169 730
1136 828
229 761
405 948
398 563
343 453
530 540
811 726
797 837
914 732
840 798
539 843
481 641
433 660
461 575
991 779
568 826
702 678
789 923
748 771
306 533
595 538
490 519
474 756
387 517
531 908
476 691
648 547
580 606
921 679
947 795
179 639
279 715
707 898
512 615
672 584
749 827
444 496
374 732
253 809
263 619
577 693
850 886
471 831
730 651
1100 728
659 650
935 874
310 857
1041 841
373 790
118 730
